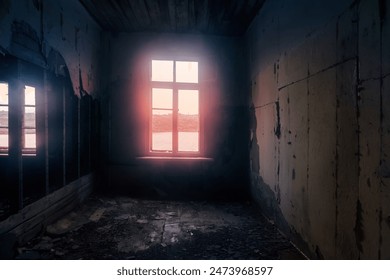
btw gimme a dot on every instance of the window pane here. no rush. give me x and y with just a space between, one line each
3 116
188 121
162 98
29 95
4 137
188 102
162 70
162 130
29 117
3 94
188 142
186 72
4 126
30 139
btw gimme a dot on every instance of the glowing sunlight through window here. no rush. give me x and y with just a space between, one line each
4 122
175 107
29 119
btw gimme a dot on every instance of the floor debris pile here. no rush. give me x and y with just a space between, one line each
125 228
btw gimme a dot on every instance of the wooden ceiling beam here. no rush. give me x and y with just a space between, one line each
218 17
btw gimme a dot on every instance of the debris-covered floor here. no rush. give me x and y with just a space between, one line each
125 228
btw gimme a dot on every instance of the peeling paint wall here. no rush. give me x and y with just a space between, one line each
63 26
320 134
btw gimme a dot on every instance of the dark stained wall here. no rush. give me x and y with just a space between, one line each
53 46
320 131
223 169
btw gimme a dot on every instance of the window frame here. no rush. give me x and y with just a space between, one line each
4 151
21 104
28 151
175 87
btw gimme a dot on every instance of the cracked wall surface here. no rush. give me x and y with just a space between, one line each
60 26
321 100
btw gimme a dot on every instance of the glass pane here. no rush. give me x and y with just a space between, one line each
3 94
29 117
186 72
29 95
3 116
162 130
188 102
188 121
162 98
30 139
4 137
162 70
188 142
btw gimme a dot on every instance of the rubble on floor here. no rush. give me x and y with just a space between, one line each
125 228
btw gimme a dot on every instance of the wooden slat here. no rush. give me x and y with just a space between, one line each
125 15
153 9
96 13
216 12
239 18
222 17
165 20
181 15
191 15
34 217
141 13
222 22
172 13
202 15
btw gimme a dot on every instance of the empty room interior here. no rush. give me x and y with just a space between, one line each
194 129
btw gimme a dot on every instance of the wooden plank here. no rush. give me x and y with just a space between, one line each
369 180
164 11
385 172
385 39
347 161
181 15
321 163
214 9
140 13
191 15
369 39
230 9
221 24
95 10
298 132
240 18
126 15
75 189
156 21
202 15
30 228
172 14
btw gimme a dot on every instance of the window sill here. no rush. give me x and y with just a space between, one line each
162 158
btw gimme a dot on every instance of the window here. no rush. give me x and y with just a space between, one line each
174 126
29 120
4 121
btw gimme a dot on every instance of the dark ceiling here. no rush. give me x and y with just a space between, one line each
218 17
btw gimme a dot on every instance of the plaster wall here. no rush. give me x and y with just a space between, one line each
319 131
